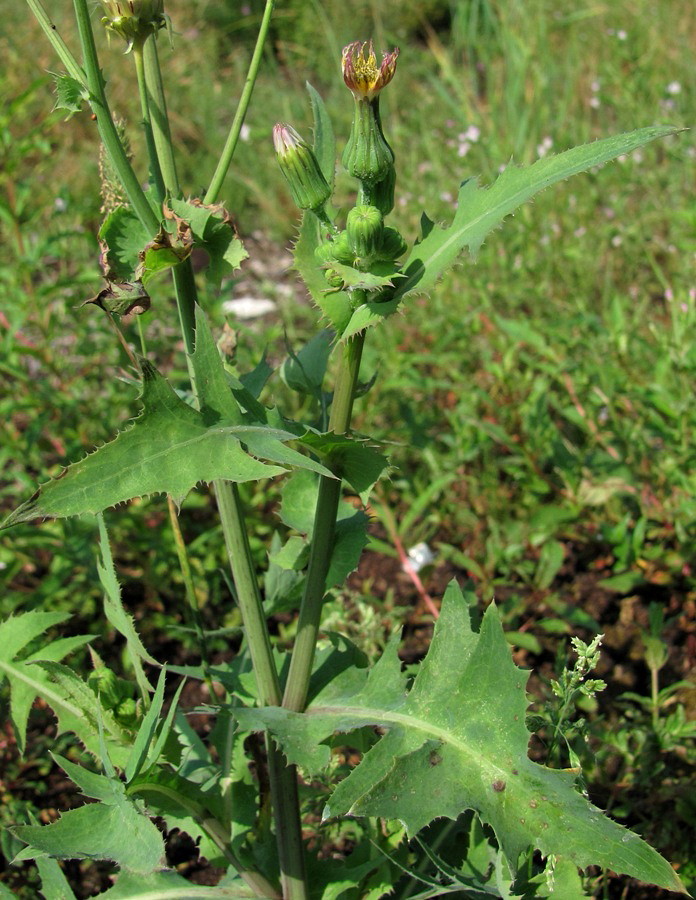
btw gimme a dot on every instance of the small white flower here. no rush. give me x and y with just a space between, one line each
446 196
463 148
544 147
621 34
244 132
673 88
595 102
580 232
617 240
472 133
248 307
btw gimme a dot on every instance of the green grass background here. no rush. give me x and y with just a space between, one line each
541 401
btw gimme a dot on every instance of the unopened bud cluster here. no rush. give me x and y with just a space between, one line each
366 244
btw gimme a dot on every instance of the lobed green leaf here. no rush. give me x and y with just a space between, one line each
457 740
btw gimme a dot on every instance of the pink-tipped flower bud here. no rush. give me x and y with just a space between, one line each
362 74
367 155
301 169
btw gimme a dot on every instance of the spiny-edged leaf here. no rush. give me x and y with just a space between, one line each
168 450
147 730
457 740
214 232
324 140
119 833
98 787
480 211
170 886
368 314
27 681
78 710
264 432
115 611
349 458
185 805
54 884
380 275
335 305
70 94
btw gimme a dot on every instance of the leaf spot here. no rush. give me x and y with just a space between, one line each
533 804
434 759
498 786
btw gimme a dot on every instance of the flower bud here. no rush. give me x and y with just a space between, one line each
365 228
337 250
133 20
300 167
367 155
393 245
382 193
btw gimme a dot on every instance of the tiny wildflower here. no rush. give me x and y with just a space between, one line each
673 88
361 73
463 148
544 147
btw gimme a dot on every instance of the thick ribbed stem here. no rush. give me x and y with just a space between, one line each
297 685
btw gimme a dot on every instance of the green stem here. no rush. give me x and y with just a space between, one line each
152 155
215 831
283 778
159 117
248 594
72 66
236 127
297 685
105 123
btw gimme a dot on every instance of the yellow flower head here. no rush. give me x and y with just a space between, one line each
362 74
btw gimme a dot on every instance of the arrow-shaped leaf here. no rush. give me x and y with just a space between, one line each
457 740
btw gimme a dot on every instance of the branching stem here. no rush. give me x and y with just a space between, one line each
236 127
105 123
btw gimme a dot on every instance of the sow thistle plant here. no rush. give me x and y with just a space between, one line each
445 797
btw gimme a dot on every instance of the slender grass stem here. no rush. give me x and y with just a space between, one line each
295 696
105 123
159 117
72 67
236 127
153 158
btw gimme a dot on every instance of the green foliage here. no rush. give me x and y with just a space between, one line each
112 829
21 665
540 423
437 739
